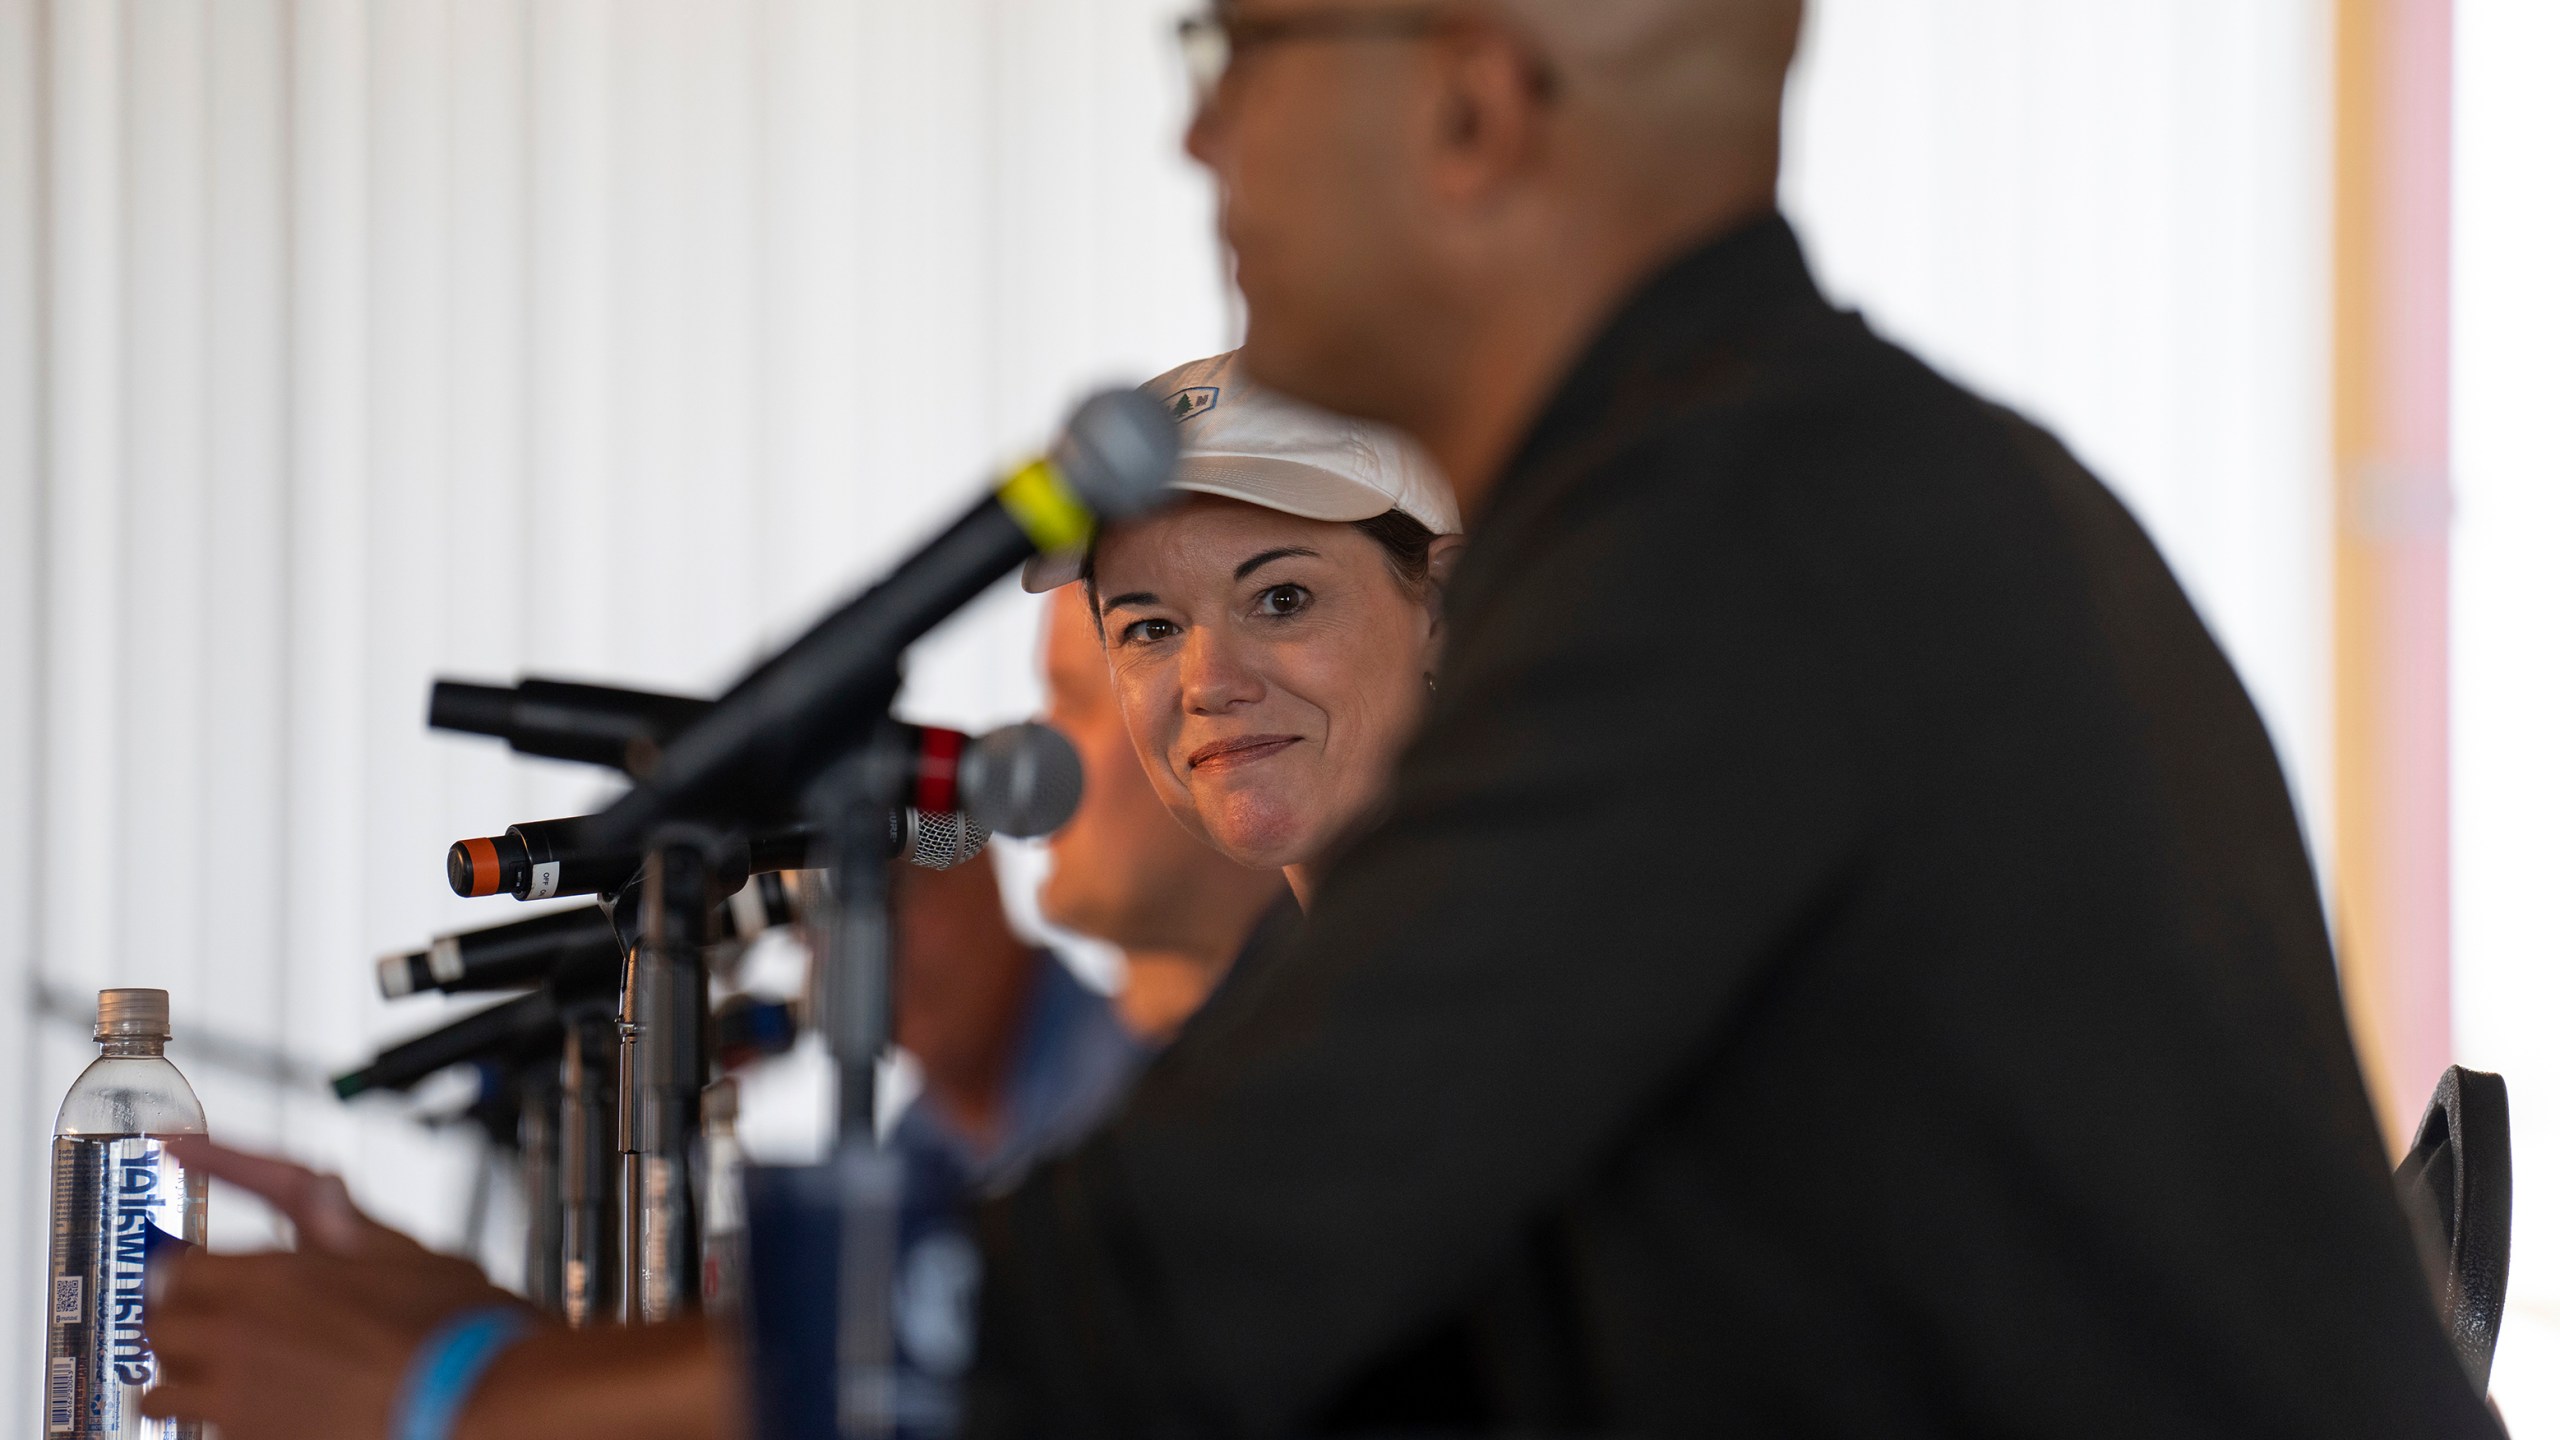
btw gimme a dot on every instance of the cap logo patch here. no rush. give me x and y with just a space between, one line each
1188 404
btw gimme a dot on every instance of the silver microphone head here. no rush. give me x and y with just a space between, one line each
941 839
1118 451
1023 780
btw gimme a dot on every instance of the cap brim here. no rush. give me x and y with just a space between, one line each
1309 492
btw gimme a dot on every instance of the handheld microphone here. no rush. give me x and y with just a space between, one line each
601 725
1022 780
502 957
525 1025
562 945
547 859
760 745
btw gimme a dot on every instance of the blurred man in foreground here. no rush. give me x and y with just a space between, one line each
1841 957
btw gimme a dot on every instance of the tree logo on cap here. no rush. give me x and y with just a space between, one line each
1196 401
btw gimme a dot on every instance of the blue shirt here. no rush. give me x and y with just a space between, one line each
1072 1061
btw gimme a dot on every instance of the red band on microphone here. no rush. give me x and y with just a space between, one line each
483 859
938 768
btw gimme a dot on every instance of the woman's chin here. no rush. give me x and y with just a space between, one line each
1263 836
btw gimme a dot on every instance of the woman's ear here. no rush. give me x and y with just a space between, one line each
1446 551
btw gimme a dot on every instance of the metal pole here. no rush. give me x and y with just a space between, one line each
587 1138
664 1069
858 1021
538 1146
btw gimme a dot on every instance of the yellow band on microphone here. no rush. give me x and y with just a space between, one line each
1041 502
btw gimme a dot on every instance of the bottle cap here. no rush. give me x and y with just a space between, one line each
132 1013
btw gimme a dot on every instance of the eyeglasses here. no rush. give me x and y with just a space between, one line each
1211 42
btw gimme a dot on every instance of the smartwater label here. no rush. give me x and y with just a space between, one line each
117 1202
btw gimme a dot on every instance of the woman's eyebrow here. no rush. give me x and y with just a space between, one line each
1267 556
1134 597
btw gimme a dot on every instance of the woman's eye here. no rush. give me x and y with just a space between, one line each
1285 599
1146 632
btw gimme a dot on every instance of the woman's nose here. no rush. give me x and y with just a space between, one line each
1217 673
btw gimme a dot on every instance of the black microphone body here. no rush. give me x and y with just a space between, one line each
1020 780
749 758
568 950
792 716
526 1025
549 859
563 720
502 957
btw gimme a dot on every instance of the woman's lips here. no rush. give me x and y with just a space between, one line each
1224 754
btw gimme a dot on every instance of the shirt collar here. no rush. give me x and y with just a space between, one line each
1694 307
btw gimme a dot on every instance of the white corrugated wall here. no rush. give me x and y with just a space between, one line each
343 344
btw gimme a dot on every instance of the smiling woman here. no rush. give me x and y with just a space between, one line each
1272 636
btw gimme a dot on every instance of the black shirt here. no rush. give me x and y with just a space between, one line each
1840 960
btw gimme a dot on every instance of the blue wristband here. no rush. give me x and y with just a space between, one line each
449 1363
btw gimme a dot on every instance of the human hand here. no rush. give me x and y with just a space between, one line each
312 1343
324 1217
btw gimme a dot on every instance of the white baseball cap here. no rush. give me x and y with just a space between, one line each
1250 443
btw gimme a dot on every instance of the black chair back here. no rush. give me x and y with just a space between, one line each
2458 1184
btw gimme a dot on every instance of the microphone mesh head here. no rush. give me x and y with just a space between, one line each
1023 780
1118 452
941 840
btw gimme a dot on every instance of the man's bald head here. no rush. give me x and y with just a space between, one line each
1430 219
1670 77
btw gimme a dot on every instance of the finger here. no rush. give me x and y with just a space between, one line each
188 1349
181 1398
323 1216
227 1285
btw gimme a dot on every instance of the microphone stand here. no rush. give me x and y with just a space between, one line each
589 1218
665 1065
538 1148
858 994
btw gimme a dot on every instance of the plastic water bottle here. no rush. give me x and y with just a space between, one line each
119 1198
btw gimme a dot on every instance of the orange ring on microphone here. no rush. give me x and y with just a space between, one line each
482 857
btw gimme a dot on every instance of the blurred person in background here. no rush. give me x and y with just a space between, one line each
1839 957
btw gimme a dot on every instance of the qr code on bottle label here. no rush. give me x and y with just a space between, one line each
66 1297
59 1392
